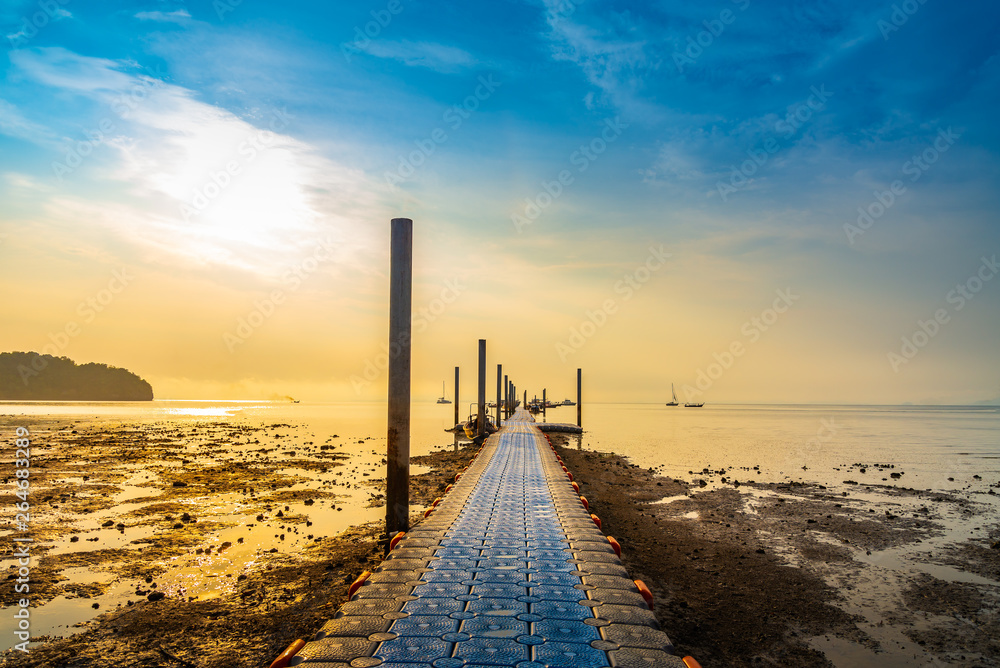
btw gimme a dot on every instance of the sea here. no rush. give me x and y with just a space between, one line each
947 448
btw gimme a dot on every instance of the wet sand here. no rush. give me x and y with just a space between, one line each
745 574
750 574
206 544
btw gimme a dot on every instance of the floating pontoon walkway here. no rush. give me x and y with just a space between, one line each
509 570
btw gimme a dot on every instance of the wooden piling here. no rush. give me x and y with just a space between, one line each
544 401
579 397
481 414
499 378
506 396
456 396
397 491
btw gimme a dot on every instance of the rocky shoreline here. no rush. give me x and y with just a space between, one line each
794 574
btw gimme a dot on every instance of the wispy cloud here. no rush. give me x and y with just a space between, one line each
176 16
433 56
609 52
14 124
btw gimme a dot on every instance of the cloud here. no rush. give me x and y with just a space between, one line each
433 56
609 51
38 20
14 124
61 68
191 184
177 16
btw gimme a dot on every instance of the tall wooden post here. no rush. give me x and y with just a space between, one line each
544 401
524 405
579 397
481 414
456 396
499 378
506 397
397 480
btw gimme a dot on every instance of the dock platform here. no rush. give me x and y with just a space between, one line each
510 569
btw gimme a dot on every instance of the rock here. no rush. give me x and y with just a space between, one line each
180 483
156 596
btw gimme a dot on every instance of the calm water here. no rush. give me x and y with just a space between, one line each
930 444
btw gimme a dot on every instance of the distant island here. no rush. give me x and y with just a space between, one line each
33 376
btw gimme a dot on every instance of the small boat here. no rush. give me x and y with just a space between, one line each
673 401
442 399
692 404
568 402
471 427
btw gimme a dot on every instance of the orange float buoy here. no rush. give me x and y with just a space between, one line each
570 476
615 546
429 511
690 662
286 656
644 590
576 488
597 520
448 488
583 500
436 502
360 580
395 539
457 476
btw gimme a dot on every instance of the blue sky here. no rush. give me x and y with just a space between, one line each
743 136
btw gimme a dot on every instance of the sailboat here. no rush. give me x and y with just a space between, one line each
673 400
443 400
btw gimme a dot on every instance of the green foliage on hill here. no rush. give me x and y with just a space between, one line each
33 376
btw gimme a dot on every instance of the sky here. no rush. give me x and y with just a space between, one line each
755 201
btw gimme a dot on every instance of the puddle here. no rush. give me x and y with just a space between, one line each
846 654
670 499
